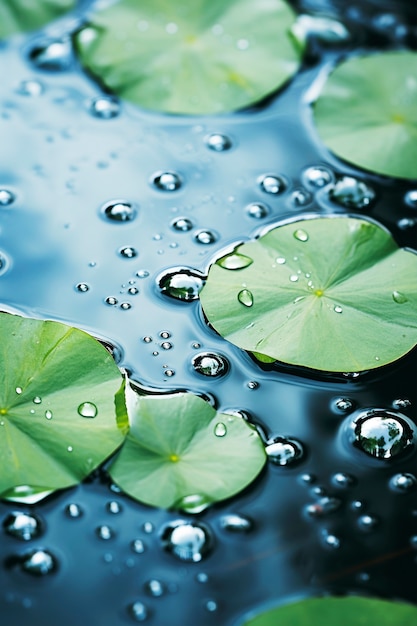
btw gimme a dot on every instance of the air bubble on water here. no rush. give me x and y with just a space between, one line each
30 87
154 587
308 479
53 55
7 197
48 414
272 184
282 451
399 297
410 198
142 273
234 261
125 306
187 541
137 546
166 345
401 403
351 193
318 176
323 507
182 285
218 142
23 526
104 107
169 373
245 297
257 210
406 222
73 510
37 400
193 503
280 260
367 522
182 224
39 562
382 434
330 541
82 287
111 300
252 384
220 429
166 181
165 334
403 482
210 364
148 528
118 211
294 278
114 507
139 611
205 237
211 606
128 252
133 291
87 409
300 197
147 339
301 235
104 532
337 308
343 480
236 523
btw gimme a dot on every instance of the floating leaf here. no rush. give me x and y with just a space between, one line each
179 449
205 56
334 294
344 611
367 113
57 405
21 15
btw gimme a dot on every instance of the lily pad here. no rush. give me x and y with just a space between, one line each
334 294
22 15
57 405
181 451
205 56
344 611
367 113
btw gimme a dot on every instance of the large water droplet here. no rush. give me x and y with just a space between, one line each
317 176
245 297
403 482
118 211
399 297
54 56
87 409
104 107
187 541
343 480
256 210
236 523
193 504
38 562
272 184
138 611
210 364
181 285
351 193
218 142
382 434
166 181
22 525
7 197
234 261
283 451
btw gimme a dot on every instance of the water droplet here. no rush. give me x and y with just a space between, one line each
128 252
111 300
73 510
54 56
211 606
166 345
280 260
410 198
114 507
318 176
331 541
283 451
187 541
32 88
138 611
147 339
138 546
202 577
252 384
271 184
22 525
382 434
6 197
104 107
245 297
38 562
218 142
234 261
342 480
182 224
148 528
323 507
367 522
87 409
401 403
301 197
344 404
294 278
399 297
193 504
403 482
205 237
142 273
125 306
37 400
48 414
18 390
166 181
210 364
337 309
154 588
118 211
406 222
301 234
104 532
182 285
256 210
220 429
236 523
133 291
70 448
82 287
351 193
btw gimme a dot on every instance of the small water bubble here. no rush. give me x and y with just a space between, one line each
301 197
48 414
104 532
406 222
31 87
165 334
272 184
205 237
344 404
283 451
410 198
403 482
114 507
256 210
193 504
211 606
351 193
218 142
133 291
139 611
125 306
104 107
318 176
234 261
111 300
399 297
82 287
138 546
38 562
73 510
245 297
202 578
301 235
128 252
252 384
54 55
220 429
148 528
337 308
154 588
166 345
18 390
236 523
343 480
323 507
382 434
182 224
401 403
23 526
87 409
330 540
147 339
187 541
294 278
142 273
37 400
166 181
7 197
210 364
367 522
118 211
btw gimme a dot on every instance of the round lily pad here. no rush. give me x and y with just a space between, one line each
57 405
205 56
22 15
367 113
334 294
181 451
343 611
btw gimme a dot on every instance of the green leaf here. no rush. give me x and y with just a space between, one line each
57 405
179 448
334 294
343 611
205 56
21 15
367 113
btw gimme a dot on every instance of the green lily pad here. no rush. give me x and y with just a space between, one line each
181 452
344 611
367 113
57 406
334 294
22 15
205 56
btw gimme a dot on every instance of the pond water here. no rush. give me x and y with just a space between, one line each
110 218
